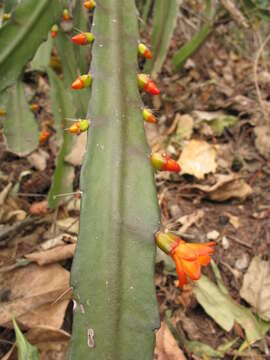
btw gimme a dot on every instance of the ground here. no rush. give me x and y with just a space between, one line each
217 83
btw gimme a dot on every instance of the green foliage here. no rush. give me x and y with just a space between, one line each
42 57
22 34
62 107
113 268
20 128
165 15
26 351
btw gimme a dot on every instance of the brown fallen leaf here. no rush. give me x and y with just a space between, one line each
75 157
198 158
166 345
262 140
52 343
56 254
31 291
226 187
188 220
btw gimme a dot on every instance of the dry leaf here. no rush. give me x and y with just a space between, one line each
188 220
52 343
198 158
61 239
38 159
30 289
69 224
256 287
166 345
226 187
56 254
184 126
75 157
262 140
234 220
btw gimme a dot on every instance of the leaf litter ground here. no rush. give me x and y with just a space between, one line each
212 101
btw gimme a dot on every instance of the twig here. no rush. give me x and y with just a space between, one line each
256 75
235 13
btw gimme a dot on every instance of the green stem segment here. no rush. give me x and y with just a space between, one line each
113 269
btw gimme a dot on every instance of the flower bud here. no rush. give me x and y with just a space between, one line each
164 163
54 30
84 38
148 116
82 82
144 51
147 84
90 4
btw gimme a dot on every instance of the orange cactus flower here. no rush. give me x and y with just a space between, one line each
82 82
84 38
163 162
148 116
147 84
66 15
89 5
144 51
44 135
54 31
188 257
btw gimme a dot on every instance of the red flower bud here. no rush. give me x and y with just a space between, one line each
84 38
147 84
54 31
82 81
34 107
149 116
44 135
144 51
164 163
66 15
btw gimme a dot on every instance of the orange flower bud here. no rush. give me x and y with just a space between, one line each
149 116
44 135
34 107
144 51
6 16
54 30
164 163
89 5
66 15
82 82
188 257
79 126
84 38
147 84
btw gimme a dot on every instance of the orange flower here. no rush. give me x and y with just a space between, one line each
188 257
90 4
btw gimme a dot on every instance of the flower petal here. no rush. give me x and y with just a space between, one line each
202 249
180 272
191 268
183 251
204 260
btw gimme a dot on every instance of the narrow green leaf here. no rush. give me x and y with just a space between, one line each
20 127
62 108
26 351
80 22
186 51
9 5
65 50
113 269
164 21
22 34
221 307
146 9
42 57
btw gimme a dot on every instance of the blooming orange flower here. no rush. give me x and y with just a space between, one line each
188 257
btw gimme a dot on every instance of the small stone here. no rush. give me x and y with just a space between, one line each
225 243
242 263
212 235
175 211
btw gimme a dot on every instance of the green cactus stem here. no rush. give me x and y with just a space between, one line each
112 276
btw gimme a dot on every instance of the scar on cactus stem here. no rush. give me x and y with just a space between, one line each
147 84
148 116
79 126
44 135
84 38
163 162
54 30
66 15
82 82
144 51
89 5
188 257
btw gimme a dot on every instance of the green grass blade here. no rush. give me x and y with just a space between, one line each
62 107
164 21
26 351
22 34
186 51
20 128
113 269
